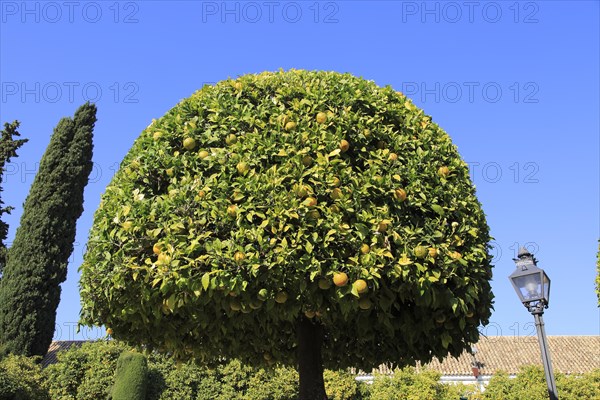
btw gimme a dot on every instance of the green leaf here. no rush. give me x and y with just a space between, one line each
206 280
309 247
438 209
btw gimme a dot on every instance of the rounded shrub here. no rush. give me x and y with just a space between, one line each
131 377
288 195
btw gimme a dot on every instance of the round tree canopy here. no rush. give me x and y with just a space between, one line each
287 195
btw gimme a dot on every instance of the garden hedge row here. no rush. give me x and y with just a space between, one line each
88 373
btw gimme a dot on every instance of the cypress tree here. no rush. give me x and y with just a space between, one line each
8 149
36 263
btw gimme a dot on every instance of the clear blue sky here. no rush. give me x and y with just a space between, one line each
515 84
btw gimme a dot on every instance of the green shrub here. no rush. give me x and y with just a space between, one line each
530 384
575 387
340 385
131 377
84 372
21 379
406 383
274 384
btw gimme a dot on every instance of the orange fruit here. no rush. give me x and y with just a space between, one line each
321 118
420 251
455 255
170 172
344 145
255 304
382 227
324 284
393 157
281 297
203 154
364 303
235 305
443 171
365 248
336 193
433 252
307 161
335 209
231 139
156 135
400 194
109 331
340 279
290 125
189 143
310 202
300 190
470 314
156 248
309 314
239 257
232 211
127 225
361 286
242 168
313 214
238 86
201 193
336 181
367 132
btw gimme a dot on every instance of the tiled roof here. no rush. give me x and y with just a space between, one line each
55 347
569 355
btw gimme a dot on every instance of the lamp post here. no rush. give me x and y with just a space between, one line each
533 288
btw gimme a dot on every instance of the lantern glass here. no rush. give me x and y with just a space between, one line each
546 287
529 286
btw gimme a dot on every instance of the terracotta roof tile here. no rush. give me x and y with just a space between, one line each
55 347
569 355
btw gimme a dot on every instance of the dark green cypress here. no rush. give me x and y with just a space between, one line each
36 263
8 149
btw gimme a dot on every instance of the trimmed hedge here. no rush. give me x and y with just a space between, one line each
131 378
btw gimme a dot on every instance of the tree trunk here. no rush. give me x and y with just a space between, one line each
310 339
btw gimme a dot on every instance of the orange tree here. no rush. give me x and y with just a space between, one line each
304 218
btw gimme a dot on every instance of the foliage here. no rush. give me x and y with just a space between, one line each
575 387
8 149
37 261
405 383
225 215
21 379
340 385
273 384
71 379
84 372
530 384
131 377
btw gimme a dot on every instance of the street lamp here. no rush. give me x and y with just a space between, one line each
533 288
